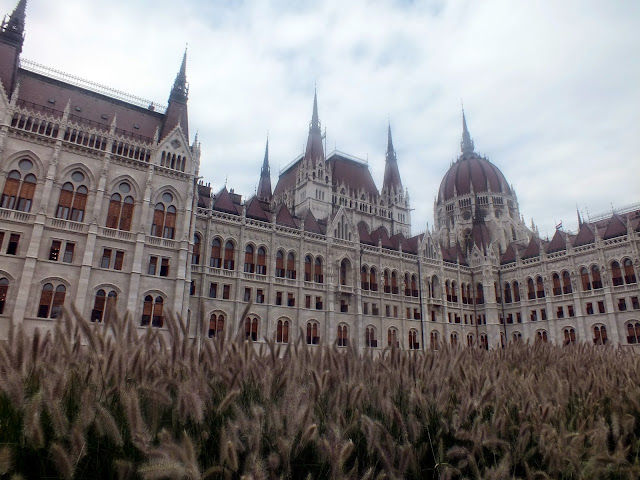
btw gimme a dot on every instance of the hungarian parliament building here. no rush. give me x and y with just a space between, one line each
102 207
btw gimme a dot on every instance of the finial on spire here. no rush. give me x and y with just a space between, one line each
579 217
466 145
180 89
390 149
263 192
315 121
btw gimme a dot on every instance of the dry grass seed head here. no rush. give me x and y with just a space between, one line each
61 460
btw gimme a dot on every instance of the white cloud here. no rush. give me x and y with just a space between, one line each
551 89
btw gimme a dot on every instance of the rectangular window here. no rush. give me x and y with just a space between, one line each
433 315
278 298
408 313
570 311
560 312
374 309
247 294
601 306
307 301
1 238
518 317
153 264
259 295
534 315
291 300
68 252
510 318
106 260
192 288
54 251
12 248
387 310
416 314
164 267
466 319
456 318
449 317
365 308
213 290
226 292
395 311
344 306
634 303
543 313
318 303
622 304
117 264
589 308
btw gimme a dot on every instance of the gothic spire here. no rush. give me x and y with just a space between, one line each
579 217
264 187
314 151
177 113
12 36
12 30
466 145
391 173
180 89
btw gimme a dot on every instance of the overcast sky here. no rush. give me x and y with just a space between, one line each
551 89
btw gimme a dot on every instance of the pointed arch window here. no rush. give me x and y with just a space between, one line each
291 266
507 292
18 192
229 255
539 287
373 279
566 283
370 337
343 335
216 326
313 337
633 332
364 278
531 289
121 206
480 294
282 331
387 281
454 339
413 340
616 274
392 338
516 291
600 335
4 289
394 282
433 340
586 282
195 254
541 336
103 304
318 275
469 339
569 335
596 278
280 264
261 267
249 265
556 285
484 341
308 268
251 328
629 273
152 311
407 285
51 301
216 253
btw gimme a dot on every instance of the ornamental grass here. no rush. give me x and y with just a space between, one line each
113 401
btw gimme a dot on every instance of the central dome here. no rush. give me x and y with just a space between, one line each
472 173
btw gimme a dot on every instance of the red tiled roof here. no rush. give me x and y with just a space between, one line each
471 169
352 173
283 217
380 233
509 256
224 203
533 249
38 89
481 236
363 232
558 242
287 179
204 196
585 236
312 225
410 245
615 228
256 210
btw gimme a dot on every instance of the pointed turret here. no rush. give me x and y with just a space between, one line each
11 41
177 109
314 151
579 218
264 187
466 144
392 180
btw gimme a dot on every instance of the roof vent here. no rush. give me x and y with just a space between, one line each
52 101
78 109
136 126
104 116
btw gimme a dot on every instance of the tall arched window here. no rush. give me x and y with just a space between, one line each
596 279
616 274
261 267
516 291
394 282
345 268
541 336
318 275
434 343
120 213
229 255
4 289
364 278
308 268
251 328
343 335
18 192
370 337
413 340
387 281
73 198
633 332
373 279
216 326
103 304
539 287
280 264
569 335
480 294
507 292
392 338
566 283
469 339
586 282
152 311
454 339
51 301
291 266
249 265
484 341
195 254
407 285
313 338
531 289
600 335
629 273
216 253
414 285
557 290
282 331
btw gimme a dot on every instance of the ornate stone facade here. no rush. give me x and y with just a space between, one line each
101 207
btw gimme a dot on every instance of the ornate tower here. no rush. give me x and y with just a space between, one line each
264 187
396 200
11 41
177 109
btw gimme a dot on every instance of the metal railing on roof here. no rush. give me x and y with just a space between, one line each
632 207
348 157
40 69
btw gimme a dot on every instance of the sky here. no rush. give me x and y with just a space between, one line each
551 90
